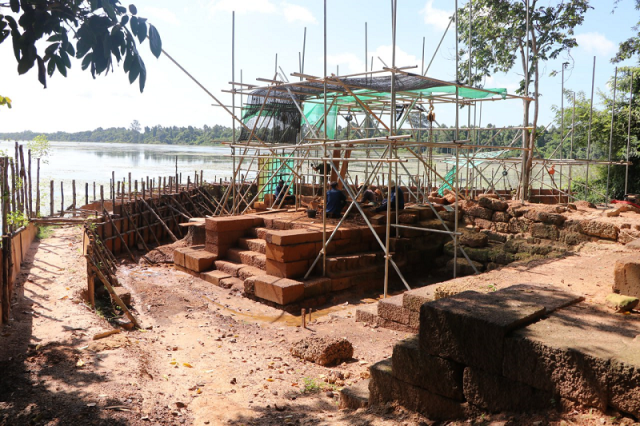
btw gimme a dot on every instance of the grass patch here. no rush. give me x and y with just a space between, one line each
310 385
45 232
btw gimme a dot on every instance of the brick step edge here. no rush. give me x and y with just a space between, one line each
372 318
355 397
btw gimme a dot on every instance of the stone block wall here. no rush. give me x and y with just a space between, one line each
521 349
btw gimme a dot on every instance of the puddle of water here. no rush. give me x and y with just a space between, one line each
286 318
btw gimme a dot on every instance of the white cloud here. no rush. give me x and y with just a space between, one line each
349 63
596 43
162 14
502 82
437 17
403 59
243 6
294 12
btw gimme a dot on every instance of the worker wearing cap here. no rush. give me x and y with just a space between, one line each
335 201
397 196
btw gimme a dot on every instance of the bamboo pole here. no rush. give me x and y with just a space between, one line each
164 225
114 295
30 185
61 198
118 234
51 197
38 188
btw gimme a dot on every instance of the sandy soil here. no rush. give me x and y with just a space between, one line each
208 357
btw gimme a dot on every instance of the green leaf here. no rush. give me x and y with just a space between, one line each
42 74
108 7
134 72
65 59
154 41
133 9
128 61
124 20
134 24
52 48
15 6
70 50
87 61
60 65
51 66
55 37
142 30
143 74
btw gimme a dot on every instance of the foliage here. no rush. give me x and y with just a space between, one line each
5 101
17 219
151 135
45 232
310 385
105 32
499 36
631 46
40 148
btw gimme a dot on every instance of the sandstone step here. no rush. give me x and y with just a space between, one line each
256 233
248 257
385 387
369 314
232 283
231 268
413 299
338 264
392 309
435 374
356 396
214 277
253 244
249 271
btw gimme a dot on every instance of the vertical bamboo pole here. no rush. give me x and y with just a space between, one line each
38 187
593 82
61 198
73 196
102 198
30 186
4 163
626 172
613 115
86 193
51 188
14 204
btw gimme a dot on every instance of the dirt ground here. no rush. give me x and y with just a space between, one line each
210 357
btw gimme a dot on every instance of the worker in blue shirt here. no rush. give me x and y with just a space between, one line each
282 191
335 201
396 196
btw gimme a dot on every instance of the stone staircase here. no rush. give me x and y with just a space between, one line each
400 312
267 259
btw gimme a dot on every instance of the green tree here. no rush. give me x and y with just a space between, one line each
631 46
104 31
501 39
40 148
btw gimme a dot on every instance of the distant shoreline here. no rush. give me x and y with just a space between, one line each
157 135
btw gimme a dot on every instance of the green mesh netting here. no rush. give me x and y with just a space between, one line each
464 92
314 112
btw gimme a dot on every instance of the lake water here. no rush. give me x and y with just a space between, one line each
94 162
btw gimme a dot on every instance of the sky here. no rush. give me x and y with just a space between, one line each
197 33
